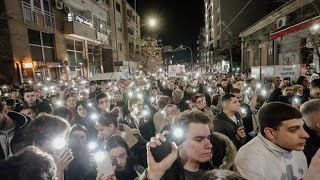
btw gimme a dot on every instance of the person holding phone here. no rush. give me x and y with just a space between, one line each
125 166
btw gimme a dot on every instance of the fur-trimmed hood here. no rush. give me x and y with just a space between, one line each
224 151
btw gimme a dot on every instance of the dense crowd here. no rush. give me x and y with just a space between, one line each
200 126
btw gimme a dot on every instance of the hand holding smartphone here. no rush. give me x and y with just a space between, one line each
104 165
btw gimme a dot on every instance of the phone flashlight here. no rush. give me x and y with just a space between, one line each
59 143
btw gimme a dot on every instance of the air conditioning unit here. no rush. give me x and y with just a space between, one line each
67 9
98 1
282 22
57 4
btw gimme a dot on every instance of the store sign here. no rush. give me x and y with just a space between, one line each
48 64
83 21
27 65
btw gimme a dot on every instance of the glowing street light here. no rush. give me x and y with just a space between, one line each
152 22
315 27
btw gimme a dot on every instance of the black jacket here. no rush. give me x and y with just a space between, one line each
312 144
146 126
224 125
247 121
17 140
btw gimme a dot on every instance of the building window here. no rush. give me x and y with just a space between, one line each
131 47
120 27
120 46
100 24
108 2
118 7
130 31
94 53
74 50
41 45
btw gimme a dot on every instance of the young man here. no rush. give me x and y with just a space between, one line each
30 98
276 153
315 89
103 102
29 112
11 126
311 116
229 122
195 149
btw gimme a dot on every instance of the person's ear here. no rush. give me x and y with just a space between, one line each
269 134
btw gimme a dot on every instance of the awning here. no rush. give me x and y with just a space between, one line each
295 28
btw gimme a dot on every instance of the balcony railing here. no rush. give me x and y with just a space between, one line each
31 15
28 14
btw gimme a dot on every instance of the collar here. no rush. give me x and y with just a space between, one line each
275 149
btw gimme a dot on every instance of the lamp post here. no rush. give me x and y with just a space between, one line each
182 46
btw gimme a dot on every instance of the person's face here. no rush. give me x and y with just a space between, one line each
104 132
71 102
30 97
14 94
171 85
63 93
239 85
258 105
315 93
197 146
104 104
201 103
93 87
82 111
29 112
77 139
288 91
305 82
104 87
277 81
172 113
224 83
119 156
290 135
233 105
239 96
155 92
300 91
116 97
138 107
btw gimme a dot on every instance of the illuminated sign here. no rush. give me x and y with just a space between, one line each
83 21
27 65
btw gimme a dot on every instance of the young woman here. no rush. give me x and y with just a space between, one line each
86 117
122 159
70 103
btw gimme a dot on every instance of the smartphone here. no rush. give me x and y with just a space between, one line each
287 78
104 164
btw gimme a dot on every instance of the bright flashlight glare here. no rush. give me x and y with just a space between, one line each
59 103
243 110
160 70
194 90
90 104
45 88
209 89
48 79
178 133
264 92
258 85
185 78
152 99
295 100
94 116
99 156
30 82
140 96
145 112
59 143
92 145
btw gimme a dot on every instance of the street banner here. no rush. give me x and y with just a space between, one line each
176 70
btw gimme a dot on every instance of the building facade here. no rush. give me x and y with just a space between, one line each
224 20
287 36
64 39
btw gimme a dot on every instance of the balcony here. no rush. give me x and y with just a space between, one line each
38 17
77 25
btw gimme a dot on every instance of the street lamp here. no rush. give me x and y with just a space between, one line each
315 27
151 22
182 46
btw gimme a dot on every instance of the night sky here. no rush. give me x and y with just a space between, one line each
179 20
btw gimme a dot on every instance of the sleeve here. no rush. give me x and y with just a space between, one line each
248 170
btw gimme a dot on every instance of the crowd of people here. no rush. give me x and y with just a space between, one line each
152 127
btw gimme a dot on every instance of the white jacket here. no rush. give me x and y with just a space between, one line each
260 159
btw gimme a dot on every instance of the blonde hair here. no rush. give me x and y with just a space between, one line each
296 88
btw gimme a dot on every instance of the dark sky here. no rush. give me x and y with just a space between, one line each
179 20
